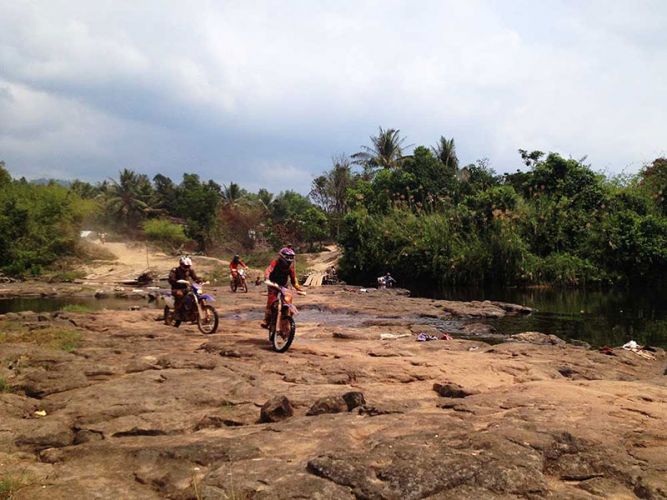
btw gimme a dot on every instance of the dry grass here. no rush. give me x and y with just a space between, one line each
11 484
45 335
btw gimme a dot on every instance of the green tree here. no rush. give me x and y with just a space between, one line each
330 191
5 178
165 194
445 151
127 199
198 204
232 195
653 179
385 152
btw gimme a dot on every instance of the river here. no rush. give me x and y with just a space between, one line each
600 317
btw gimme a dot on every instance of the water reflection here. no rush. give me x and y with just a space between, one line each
600 317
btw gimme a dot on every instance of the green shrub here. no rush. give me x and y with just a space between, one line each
77 308
165 233
4 385
566 269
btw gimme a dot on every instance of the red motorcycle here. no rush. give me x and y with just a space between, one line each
282 326
238 280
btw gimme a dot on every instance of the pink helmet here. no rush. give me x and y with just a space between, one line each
287 254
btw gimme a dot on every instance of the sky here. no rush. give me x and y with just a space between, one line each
265 93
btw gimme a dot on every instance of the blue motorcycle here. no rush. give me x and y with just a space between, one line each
195 309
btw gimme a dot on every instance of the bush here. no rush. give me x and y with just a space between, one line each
38 225
566 269
165 233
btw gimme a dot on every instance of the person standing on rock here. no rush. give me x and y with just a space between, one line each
184 271
279 272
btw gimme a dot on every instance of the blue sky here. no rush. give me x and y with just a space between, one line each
265 93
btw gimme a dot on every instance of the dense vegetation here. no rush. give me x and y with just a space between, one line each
40 222
556 221
421 216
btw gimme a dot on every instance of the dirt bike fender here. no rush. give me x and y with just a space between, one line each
292 309
206 296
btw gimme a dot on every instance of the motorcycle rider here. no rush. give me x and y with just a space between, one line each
234 265
279 272
184 271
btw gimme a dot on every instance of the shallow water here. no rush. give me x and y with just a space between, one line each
600 317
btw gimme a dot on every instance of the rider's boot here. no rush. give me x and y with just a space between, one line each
267 318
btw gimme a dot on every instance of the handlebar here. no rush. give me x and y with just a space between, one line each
277 286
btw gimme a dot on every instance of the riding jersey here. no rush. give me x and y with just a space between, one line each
279 272
179 273
234 266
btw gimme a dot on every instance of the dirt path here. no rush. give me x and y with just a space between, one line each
132 259
320 262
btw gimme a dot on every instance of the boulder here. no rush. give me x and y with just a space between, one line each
354 399
536 338
330 404
276 409
451 390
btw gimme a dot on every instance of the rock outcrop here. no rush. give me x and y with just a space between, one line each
137 409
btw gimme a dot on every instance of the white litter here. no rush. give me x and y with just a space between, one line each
393 336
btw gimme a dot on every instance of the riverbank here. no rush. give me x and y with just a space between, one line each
130 408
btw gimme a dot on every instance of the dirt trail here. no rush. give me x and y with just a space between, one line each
134 258
320 262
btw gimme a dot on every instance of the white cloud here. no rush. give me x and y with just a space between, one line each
231 87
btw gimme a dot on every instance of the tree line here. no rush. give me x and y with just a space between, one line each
431 222
421 216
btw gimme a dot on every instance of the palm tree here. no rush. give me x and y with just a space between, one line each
445 151
127 198
386 151
265 199
232 195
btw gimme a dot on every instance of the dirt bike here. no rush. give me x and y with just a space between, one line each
282 326
238 281
194 309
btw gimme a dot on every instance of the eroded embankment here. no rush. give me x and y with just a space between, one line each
125 407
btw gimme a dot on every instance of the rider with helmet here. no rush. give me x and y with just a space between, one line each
234 265
279 272
184 271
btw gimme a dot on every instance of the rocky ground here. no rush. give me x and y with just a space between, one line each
131 408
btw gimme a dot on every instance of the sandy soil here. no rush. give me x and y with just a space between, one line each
132 259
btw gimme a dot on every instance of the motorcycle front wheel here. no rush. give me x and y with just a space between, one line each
208 322
245 286
282 335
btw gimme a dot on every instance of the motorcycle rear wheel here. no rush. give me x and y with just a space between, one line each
209 322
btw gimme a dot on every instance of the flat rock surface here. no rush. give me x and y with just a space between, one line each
142 410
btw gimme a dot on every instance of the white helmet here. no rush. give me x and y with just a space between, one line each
185 261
